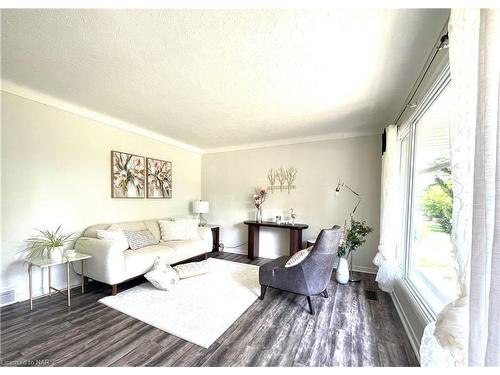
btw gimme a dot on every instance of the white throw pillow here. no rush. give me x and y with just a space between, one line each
191 226
114 233
298 257
179 229
191 269
162 276
172 230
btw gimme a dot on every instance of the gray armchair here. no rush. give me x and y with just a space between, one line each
308 278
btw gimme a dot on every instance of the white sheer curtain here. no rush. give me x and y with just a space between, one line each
475 68
389 214
484 339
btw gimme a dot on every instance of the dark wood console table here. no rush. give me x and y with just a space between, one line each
253 235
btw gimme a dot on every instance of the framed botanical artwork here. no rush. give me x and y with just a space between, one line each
159 178
127 175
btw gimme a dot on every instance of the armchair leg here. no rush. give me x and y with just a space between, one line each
310 305
263 289
114 289
325 293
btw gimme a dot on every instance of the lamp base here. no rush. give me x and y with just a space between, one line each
203 221
352 278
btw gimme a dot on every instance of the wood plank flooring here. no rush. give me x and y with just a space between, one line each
348 329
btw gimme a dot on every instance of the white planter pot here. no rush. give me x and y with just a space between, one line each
56 253
342 271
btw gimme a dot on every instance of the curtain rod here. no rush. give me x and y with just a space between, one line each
442 45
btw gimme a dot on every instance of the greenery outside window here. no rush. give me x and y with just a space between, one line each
427 197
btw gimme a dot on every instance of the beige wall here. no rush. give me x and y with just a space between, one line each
229 180
56 171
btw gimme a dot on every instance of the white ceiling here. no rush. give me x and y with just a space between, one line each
219 78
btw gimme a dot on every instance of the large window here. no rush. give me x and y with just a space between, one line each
428 259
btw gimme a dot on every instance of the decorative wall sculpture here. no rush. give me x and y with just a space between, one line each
284 177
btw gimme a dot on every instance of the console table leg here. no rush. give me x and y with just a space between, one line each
295 240
253 242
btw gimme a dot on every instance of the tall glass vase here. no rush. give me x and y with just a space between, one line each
258 215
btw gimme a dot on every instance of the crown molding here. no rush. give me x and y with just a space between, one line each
27 93
292 141
36 96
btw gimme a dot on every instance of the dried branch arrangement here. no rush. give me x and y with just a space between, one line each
284 177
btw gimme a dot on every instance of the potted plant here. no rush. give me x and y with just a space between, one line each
46 244
352 239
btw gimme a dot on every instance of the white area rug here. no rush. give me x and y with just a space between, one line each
201 308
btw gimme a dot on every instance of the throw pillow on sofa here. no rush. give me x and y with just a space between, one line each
162 276
298 257
191 269
179 229
139 239
115 234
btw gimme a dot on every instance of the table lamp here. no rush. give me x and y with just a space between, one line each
201 207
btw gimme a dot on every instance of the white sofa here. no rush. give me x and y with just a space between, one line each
112 265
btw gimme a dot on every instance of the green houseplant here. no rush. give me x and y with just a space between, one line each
352 238
46 244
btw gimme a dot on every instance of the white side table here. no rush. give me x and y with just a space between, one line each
48 263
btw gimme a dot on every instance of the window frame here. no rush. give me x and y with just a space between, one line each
408 129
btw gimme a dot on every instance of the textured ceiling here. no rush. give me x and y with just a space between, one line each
218 78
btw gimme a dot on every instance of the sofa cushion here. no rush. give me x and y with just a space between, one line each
189 248
152 225
138 262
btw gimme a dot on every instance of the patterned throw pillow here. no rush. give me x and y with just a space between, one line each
298 257
162 276
140 239
191 269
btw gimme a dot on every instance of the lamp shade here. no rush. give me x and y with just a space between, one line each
200 207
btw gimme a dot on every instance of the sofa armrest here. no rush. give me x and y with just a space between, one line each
107 263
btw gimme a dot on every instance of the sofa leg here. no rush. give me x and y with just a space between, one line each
114 289
310 305
205 256
263 289
325 293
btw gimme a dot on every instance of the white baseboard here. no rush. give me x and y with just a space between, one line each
371 270
415 343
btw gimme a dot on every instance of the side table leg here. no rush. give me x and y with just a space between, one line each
83 278
50 281
30 276
67 284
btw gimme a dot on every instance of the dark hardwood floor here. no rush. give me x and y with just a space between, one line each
353 327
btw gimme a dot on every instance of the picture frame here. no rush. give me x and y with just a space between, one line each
128 179
158 179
